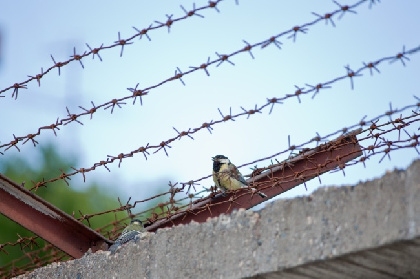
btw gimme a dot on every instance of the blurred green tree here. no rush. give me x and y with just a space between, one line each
91 199
48 164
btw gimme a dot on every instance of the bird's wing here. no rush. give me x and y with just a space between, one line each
236 174
127 236
216 179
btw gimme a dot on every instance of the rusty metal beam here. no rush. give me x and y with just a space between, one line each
47 221
280 178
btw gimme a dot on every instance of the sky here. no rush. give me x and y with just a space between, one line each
32 31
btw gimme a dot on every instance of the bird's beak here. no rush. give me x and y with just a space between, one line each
212 158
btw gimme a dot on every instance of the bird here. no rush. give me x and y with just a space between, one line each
129 233
226 175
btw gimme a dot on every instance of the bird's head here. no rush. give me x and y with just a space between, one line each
136 222
221 159
218 161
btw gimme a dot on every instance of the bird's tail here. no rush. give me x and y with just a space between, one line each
114 247
261 194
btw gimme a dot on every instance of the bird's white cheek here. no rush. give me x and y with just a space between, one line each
224 161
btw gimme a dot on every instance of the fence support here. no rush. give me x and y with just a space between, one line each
47 221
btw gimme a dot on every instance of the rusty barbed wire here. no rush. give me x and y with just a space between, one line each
55 254
284 180
316 89
23 242
398 124
179 75
171 201
381 145
374 131
344 130
36 258
120 42
117 227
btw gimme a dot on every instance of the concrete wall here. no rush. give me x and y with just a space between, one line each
371 230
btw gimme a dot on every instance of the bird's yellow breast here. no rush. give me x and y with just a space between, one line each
224 179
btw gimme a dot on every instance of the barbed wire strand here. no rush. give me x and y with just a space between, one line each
178 75
120 42
209 125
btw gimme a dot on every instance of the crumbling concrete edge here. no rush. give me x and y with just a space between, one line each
332 222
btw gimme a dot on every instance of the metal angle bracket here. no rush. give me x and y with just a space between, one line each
47 221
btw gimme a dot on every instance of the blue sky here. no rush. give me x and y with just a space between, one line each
31 32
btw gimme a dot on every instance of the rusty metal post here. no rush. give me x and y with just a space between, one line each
273 182
47 221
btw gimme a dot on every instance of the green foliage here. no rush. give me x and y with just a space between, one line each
48 164
94 198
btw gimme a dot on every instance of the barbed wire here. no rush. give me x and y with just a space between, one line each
22 242
318 139
36 258
118 102
382 146
411 143
398 123
362 123
163 145
342 131
116 225
120 42
127 207
380 140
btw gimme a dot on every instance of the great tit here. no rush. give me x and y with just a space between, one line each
227 177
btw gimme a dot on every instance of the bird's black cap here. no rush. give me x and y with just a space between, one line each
136 220
219 157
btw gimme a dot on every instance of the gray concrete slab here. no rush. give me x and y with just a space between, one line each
371 230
